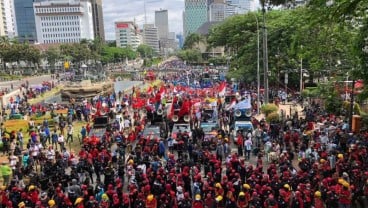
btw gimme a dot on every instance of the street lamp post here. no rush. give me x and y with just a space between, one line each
265 54
258 76
301 76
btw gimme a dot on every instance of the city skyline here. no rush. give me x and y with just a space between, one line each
135 10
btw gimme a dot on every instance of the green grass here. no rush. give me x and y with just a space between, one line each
42 97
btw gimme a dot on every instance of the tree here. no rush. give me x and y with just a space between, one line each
52 55
193 41
190 55
145 51
4 47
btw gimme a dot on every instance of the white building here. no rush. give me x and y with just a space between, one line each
216 12
237 7
63 21
162 23
7 19
127 34
150 33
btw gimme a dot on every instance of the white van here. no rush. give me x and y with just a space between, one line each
241 125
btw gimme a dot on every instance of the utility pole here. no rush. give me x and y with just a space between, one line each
265 54
351 113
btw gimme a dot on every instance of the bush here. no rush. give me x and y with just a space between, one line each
269 108
273 117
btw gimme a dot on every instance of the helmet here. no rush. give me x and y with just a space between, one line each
340 156
197 197
219 198
241 194
51 203
130 162
346 184
79 200
150 197
287 186
31 187
22 204
218 185
246 186
317 194
104 197
322 160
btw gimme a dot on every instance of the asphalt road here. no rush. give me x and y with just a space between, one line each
34 80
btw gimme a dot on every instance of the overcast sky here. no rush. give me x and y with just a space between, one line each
127 10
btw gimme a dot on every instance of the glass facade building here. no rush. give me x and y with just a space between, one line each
25 20
195 14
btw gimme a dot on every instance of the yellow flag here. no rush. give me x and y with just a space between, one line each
66 65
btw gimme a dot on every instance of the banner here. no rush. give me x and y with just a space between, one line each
244 104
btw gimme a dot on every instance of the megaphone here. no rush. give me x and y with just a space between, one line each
248 113
175 118
238 113
160 112
186 118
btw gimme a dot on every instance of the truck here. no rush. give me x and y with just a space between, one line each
240 126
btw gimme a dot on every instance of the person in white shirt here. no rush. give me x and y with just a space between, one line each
70 134
50 154
61 141
126 123
248 147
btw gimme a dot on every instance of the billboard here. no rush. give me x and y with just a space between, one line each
122 25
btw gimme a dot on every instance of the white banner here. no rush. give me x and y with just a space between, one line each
244 104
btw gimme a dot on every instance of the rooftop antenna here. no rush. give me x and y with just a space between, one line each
145 13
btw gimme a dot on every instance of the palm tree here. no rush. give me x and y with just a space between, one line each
4 47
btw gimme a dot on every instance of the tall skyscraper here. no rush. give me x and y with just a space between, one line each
2 20
237 7
63 21
180 40
195 14
126 34
7 8
150 33
25 20
216 11
162 23
98 22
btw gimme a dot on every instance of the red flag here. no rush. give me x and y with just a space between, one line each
358 84
185 108
222 89
138 103
149 90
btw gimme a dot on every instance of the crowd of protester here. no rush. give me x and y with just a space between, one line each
315 161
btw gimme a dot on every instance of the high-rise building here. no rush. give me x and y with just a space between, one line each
150 33
98 21
195 14
63 21
216 11
180 39
2 19
237 7
25 20
8 18
162 23
127 34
